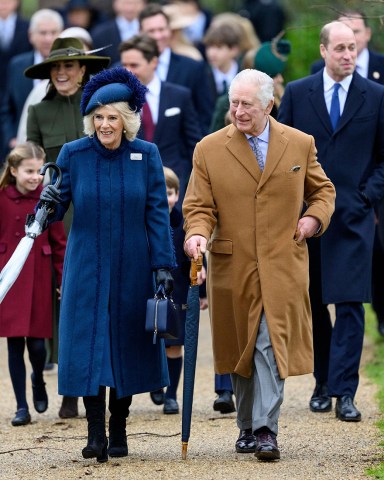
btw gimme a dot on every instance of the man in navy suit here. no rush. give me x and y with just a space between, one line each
122 27
176 68
45 26
369 64
345 114
176 128
13 41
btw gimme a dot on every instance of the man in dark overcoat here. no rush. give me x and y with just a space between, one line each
351 153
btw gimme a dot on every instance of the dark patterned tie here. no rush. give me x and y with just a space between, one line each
254 142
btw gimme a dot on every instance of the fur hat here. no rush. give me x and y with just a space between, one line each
111 86
67 49
271 58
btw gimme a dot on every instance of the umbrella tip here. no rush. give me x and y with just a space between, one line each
184 447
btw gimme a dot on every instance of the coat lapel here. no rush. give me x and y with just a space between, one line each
316 97
276 147
238 145
355 99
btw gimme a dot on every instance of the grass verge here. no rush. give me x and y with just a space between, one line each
375 371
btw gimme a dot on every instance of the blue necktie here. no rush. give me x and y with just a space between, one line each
335 106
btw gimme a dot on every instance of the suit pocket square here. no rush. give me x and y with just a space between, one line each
295 168
171 112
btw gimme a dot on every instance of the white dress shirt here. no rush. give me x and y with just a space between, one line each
328 90
362 63
153 97
127 28
7 30
163 65
220 77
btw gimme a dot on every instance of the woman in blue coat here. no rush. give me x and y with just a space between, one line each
119 242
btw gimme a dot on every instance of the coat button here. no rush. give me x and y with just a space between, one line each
17 201
17 234
17 217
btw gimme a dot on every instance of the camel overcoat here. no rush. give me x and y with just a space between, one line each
255 263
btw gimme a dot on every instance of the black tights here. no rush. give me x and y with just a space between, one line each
16 364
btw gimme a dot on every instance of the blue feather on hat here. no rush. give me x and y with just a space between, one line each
110 86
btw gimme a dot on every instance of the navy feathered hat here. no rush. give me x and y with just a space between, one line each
110 86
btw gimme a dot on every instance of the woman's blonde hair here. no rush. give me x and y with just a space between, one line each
131 120
22 152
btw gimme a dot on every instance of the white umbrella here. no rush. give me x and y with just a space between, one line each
14 265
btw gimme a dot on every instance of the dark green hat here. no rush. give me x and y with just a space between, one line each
67 49
271 58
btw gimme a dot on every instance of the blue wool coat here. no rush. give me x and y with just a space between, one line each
119 235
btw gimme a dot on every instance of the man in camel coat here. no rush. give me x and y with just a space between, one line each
244 205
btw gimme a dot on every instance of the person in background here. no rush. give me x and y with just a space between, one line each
13 41
179 19
345 114
44 27
123 26
268 17
57 120
222 48
240 207
178 69
83 14
26 311
119 249
39 91
169 119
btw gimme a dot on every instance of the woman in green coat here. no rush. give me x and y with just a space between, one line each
57 120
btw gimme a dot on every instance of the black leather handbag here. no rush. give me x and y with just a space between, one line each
162 316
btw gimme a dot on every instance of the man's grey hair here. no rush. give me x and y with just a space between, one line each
46 14
263 81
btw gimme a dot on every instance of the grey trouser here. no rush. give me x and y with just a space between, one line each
258 398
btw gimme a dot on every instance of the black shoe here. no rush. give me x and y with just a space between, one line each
39 393
346 410
170 406
22 417
246 443
380 327
69 408
118 446
97 447
157 397
266 447
320 401
224 403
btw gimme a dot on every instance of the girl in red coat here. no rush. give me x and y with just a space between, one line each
26 311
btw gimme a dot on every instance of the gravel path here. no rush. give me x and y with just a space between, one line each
313 446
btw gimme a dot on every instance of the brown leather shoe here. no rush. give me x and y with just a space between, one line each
246 443
266 447
69 407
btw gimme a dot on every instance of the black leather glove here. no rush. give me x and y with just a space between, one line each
29 222
163 277
51 194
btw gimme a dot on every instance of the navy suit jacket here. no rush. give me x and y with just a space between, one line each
194 75
353 158
177 131
17 91
375 67
107 34
19 44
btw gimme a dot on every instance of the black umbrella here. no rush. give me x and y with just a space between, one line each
190 352
12 269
